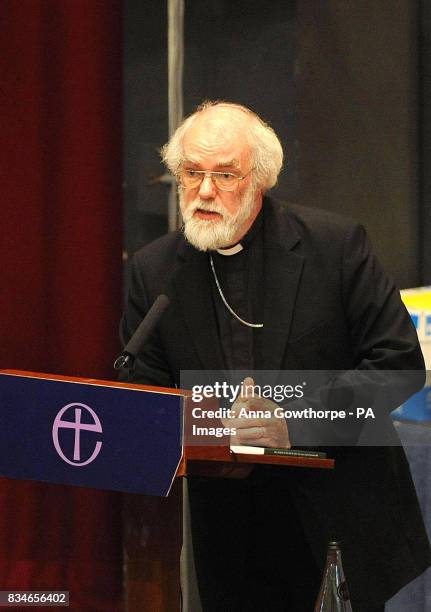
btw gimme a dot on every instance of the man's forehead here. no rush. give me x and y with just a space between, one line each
216 138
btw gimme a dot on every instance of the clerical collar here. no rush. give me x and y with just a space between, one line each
246 240
233 250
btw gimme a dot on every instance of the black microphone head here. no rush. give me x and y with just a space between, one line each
147 325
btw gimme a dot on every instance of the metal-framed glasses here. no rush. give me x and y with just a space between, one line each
225 181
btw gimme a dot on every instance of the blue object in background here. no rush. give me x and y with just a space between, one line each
416 408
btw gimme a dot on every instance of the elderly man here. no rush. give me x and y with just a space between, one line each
256 285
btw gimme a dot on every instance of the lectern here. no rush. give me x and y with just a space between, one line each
124 437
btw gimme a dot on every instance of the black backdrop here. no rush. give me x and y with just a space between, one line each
425 140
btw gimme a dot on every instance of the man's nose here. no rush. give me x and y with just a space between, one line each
207 188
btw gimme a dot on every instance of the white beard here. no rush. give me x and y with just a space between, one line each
208 235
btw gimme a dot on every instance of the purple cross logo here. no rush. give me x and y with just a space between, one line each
78 426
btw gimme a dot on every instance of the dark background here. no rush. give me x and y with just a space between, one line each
424 119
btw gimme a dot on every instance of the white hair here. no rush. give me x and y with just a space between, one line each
267 153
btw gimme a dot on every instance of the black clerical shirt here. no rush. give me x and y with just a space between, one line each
241 280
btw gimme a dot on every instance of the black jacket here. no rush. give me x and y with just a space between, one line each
328 305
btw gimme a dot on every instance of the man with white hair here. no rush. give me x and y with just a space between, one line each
256 285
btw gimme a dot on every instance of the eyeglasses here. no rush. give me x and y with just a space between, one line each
225 181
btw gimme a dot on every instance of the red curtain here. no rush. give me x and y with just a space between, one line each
60 253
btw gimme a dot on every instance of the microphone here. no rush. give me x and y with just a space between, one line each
146 326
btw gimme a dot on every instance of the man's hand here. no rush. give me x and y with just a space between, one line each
270 432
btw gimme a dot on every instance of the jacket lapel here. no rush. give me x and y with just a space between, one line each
283 269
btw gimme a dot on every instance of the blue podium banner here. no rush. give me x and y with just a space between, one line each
89 434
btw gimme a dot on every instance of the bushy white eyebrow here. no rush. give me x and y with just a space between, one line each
223 163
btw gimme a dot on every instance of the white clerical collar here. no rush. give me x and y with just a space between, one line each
231 250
